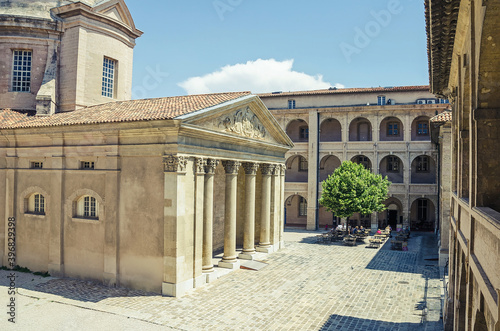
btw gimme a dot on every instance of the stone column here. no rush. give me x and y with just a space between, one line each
208 217
199 278
374 222
265 227
249 226
282 205
229 258
275 208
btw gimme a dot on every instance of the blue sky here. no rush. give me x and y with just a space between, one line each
201 46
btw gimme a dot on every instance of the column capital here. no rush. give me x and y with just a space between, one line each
283 169
210 166
267 169
231 167
199 165
250 168
174 163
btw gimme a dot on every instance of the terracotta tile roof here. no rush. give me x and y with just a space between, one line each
445 116
348 90
121 111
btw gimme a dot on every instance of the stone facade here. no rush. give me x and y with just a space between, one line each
387 129
138 203
464 59
68 43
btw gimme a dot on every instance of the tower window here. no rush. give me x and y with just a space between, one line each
108 77
21 71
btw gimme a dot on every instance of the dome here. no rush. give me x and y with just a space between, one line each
37 8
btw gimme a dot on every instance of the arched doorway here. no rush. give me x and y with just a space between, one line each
298 131
393 215
296 169
364 160
296 211
392 167
330 130
360 129
422 215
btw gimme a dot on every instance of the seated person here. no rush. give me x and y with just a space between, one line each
379 232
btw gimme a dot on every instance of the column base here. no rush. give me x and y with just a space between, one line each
374 228
246 255
199 281
282 244
56 270
178 289
265 249
210 276
229 265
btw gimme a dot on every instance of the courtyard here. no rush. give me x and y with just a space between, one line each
305 286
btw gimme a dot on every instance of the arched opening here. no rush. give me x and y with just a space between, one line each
420 129
296 169
392 167
423 170
422 216
327 166
391 129
364 160
298 131
393 215
331 130
360 130
296 211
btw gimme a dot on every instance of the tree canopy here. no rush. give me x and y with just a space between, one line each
353 189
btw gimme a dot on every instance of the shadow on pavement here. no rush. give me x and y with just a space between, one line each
339 322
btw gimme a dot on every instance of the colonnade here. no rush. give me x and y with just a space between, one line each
271 215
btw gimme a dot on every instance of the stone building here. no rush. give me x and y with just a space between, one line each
464 62
385 128
133 193
441 136
64 55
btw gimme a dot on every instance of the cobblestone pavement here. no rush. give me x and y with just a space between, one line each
306 286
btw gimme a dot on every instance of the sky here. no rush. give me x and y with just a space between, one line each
209 46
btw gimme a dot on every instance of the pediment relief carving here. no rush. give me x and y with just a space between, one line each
242 122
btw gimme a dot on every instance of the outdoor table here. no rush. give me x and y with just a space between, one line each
350 240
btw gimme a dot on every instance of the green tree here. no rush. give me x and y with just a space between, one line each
353 189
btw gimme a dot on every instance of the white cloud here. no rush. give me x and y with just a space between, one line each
258 76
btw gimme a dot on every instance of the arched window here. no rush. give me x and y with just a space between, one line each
36 204
87 207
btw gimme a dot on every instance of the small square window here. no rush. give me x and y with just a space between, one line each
381 100
392 129
422 128
393 164
291 104
87 165
422 164
36 165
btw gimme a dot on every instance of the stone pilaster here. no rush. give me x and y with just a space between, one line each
176 280
275 208
265 227
229 259
208 217
312 182
249 226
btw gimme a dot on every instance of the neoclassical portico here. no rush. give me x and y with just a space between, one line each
168 183
268 202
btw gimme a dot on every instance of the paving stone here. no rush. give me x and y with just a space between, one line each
306 286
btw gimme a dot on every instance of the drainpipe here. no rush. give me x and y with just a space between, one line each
317 171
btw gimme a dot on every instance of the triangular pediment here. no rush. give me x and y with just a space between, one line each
246 118
117 10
